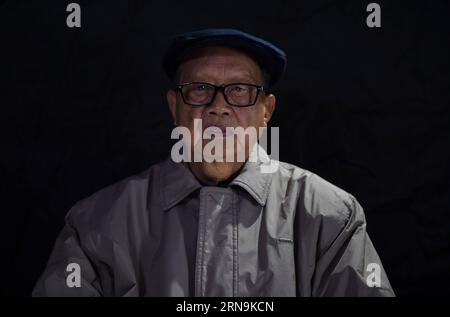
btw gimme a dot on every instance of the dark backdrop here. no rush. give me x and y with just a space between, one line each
367 109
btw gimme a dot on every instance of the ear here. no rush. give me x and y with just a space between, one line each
269 107
171 97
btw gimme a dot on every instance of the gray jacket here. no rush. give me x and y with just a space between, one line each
161 233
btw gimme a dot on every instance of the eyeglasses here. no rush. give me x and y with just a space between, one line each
203 94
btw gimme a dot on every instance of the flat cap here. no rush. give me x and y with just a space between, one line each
269 57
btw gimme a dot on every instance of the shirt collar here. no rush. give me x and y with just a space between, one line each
177 181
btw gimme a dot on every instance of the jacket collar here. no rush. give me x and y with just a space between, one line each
253 178
177 181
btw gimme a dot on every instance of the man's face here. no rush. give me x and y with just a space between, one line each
220 66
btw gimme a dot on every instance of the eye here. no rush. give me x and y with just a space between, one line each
238 88
202 87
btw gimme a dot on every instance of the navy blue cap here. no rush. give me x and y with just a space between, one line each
269 57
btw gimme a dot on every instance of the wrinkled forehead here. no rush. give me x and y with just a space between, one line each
219 60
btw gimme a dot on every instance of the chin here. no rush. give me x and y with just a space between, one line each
218 171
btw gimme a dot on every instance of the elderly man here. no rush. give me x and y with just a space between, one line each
221 227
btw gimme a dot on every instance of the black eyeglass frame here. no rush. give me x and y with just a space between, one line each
222 89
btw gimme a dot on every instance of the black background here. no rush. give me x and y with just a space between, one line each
367 109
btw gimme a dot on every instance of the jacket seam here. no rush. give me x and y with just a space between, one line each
199 270
235 247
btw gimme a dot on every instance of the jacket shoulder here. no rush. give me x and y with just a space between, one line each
112 204
323 210
316 196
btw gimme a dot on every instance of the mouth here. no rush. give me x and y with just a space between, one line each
218 130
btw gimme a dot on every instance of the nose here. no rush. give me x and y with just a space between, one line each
219 107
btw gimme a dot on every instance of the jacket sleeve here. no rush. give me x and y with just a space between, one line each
69 271
350 265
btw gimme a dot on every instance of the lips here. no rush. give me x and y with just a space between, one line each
218 129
